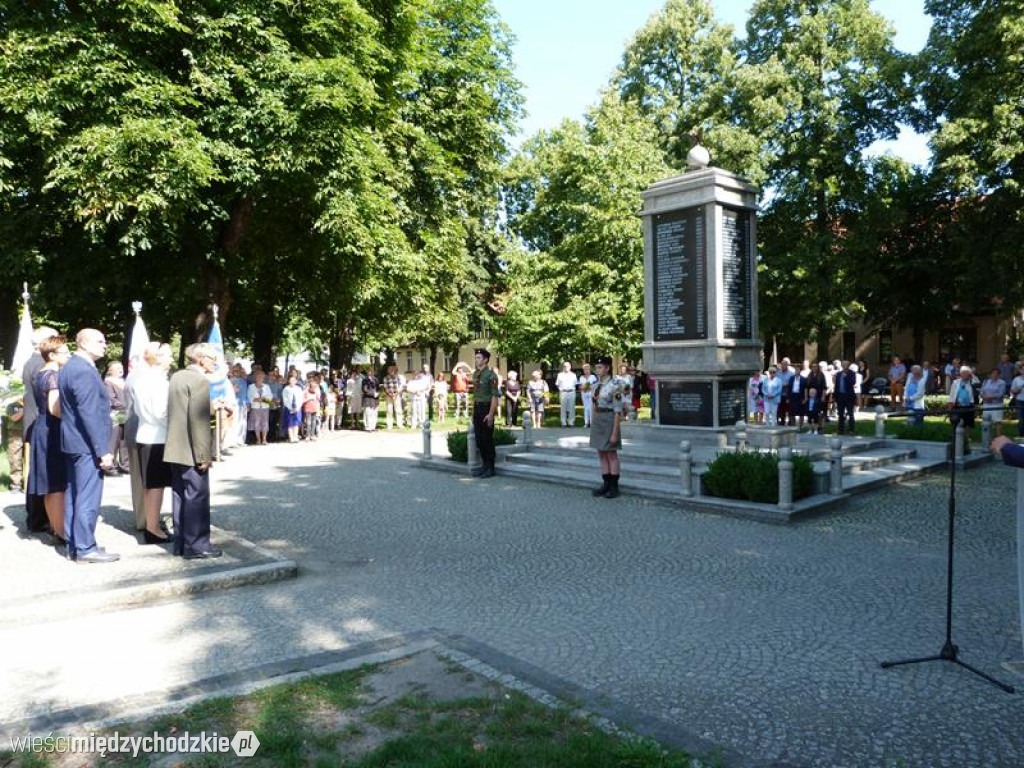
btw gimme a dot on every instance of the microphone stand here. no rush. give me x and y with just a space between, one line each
950 651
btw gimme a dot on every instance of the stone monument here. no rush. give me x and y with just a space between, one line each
700 295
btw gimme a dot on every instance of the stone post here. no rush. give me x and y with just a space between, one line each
723 441
785 479
879 422
426 439
1020 541
686 468
741 435
472 455
835 481
527 430
958 443
986 432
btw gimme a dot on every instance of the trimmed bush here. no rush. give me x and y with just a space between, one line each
458 443
754 476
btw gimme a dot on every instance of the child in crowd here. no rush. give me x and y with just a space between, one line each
331 411
291 400
441 397
813 407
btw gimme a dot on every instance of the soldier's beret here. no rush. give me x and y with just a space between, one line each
603 360
483 353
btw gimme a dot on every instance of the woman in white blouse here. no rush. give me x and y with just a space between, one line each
149 403
261 397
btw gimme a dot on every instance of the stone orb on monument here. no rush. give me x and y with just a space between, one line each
698 158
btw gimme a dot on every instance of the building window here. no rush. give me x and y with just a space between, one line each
424 358
884 346
849 345
447 362
959 342
408 360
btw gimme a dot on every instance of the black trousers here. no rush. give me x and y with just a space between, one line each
190 492
511 411
484 434
844 404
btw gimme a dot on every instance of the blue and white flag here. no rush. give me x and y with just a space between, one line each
219 384
139 340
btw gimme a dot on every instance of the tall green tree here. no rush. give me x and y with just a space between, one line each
822 82
577 285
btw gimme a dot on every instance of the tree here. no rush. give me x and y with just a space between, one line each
822 82
576 286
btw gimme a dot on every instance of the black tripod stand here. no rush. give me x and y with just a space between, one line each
950 652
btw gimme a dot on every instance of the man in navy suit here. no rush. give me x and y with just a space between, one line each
85 440
1012 453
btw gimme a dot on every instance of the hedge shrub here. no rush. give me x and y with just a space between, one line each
459 450
754 476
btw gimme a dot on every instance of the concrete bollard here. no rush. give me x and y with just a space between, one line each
986 431
785 478
835 478
472 455
958 442
527 430
741 435
686 468
426 439
879 422
723 441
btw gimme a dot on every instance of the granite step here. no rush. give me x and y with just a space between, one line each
876 477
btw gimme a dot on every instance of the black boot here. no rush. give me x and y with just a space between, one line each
604 486
613 487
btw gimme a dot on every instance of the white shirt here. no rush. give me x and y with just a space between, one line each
149 402
592 381
262 392
1018 384
566 381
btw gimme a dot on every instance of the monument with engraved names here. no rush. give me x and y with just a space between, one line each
700 295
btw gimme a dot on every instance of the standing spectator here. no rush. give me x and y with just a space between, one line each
566 383
260 397
755 398
35 509
798 393
189 450
441 397
513 389
240 384
485 408
537 392
371 400
150 394
606 433
785 375
952 371
85 441
993 393
845 396
812 408
354 397
913 395
771 390
49 477
627 392
1006 370
1017 396
114 383
635 393
131 428
331 412
897 379
828 394
292 397
963 396
816 380
929 379
587 383
858 384
394 386
276 388
311 409
460 386
865 384
419 393
14 436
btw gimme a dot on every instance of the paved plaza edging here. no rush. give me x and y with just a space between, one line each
472 655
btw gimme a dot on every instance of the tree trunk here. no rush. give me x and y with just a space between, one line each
918 344
263 341
824 339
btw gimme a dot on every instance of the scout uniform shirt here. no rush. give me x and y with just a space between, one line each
485 386
608 395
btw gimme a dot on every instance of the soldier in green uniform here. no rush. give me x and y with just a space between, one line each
605 435
485 407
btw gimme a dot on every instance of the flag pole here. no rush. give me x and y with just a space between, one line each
217 412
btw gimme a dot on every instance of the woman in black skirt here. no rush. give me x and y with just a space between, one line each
605 436
149 403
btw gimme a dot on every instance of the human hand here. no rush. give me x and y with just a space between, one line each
997 444
203 467
106 461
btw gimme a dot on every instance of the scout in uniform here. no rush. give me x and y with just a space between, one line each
605 437
485 406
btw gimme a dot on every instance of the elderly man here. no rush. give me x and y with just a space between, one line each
913 396
85 442
189 451
566 383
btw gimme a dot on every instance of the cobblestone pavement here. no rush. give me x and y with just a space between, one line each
764 639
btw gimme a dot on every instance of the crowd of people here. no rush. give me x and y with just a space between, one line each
785 395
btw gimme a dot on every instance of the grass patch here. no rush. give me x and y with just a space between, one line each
934 429
329 721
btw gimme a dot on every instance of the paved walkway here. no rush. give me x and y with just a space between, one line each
763 639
